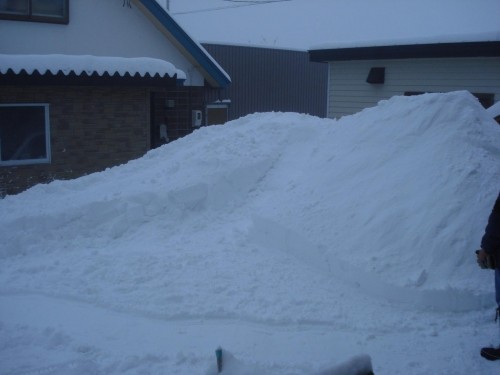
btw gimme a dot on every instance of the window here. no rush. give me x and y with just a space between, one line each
486 100
53 11
24 134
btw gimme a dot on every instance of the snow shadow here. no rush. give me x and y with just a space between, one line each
273 236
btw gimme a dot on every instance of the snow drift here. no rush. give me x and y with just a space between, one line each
275 219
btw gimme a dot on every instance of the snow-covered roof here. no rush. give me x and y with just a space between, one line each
155 34
89 65
492 36
306 24
407 51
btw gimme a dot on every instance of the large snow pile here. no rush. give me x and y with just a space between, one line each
292 241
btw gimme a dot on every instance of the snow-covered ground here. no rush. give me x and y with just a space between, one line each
295 243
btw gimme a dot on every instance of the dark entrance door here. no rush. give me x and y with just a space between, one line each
171 114
216 114
158 119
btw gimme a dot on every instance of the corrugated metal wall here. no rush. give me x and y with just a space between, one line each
265 80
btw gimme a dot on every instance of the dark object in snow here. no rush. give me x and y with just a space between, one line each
487 262
491 238
491 354
228 364
218 355
359 365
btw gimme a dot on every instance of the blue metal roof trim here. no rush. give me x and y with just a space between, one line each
187 42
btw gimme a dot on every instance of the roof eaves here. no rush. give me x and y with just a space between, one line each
215 75
35 78
410 51
87 64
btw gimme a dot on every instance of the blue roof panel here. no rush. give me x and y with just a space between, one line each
207 63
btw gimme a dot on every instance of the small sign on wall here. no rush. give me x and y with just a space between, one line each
197 118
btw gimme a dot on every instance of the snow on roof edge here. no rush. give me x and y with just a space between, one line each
198 45
252 45
209 56
204 51
491 36
79 64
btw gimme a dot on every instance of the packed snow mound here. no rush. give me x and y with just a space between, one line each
391 201
293 241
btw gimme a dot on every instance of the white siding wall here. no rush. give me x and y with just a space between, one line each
100 28
349 93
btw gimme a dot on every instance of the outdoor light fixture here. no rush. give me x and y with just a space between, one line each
376 75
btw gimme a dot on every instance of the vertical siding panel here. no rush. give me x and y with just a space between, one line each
349 93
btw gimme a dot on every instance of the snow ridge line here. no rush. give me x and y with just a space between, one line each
181 317
274 236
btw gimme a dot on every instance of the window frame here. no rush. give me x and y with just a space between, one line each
486 99
47 159
34 18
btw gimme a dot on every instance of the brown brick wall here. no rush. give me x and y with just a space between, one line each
179 117
92 128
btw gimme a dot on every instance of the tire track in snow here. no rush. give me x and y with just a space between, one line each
101 341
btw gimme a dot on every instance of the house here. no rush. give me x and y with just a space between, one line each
90 84
361 75
266 79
